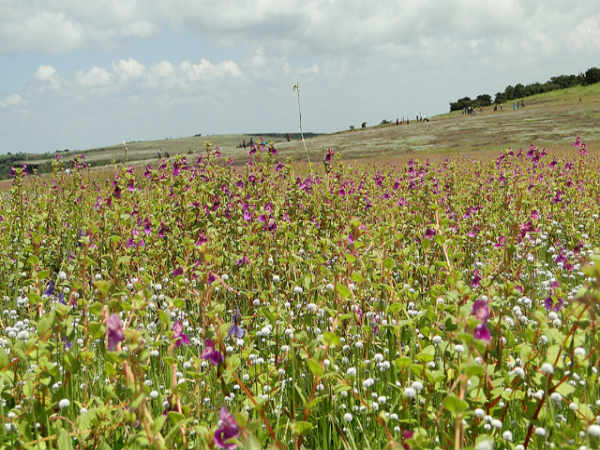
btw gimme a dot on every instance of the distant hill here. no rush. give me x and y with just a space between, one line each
551 119
518 91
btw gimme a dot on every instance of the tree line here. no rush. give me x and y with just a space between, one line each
591 76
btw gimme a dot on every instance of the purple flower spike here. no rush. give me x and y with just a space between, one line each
429 233
235 329
551 306
482 332
476 279
50 289
179 336
228 429
115 332
481 310
212 355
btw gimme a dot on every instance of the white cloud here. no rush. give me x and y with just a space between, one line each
205 70
128 69
11 100
45 73
48 78
95 77
46 31
351 27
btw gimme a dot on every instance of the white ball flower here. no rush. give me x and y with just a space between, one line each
547 368
64 403
594 430
347 417
410 392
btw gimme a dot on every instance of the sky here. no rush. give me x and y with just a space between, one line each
77 74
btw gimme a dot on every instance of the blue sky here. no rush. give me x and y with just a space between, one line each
84 74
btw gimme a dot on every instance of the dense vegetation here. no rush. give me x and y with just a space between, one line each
199 305
591 76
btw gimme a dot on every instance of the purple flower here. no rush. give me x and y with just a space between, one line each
163 230
147 226
178 271
482 332
235 329
211 278
406 435
481 310
551 306
228 429
179 336
476 279
429 233
115 332
212 355
50 289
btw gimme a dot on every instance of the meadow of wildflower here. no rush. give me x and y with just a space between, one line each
201 304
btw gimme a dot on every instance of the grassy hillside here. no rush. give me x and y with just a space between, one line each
551 120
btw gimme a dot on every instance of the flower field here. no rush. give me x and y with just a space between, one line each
198 304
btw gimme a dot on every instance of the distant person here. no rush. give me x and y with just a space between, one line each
397 122
288 137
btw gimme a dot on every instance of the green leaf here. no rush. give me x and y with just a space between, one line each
34 298
45 323
389 263
395 307
331 339
95 308
64 441
4 361
315 367
403 363
301 427
175 417
455 405
427 354
473 370
103 286
343 291
565 389
357 277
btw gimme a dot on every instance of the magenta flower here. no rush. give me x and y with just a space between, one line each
406 435
429 233
179 336
476 279
481 310
482 332
550 305
163 230
114 331
228 429
212 355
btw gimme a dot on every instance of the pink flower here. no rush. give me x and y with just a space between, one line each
115 332
228 429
